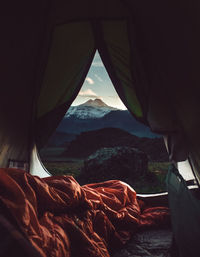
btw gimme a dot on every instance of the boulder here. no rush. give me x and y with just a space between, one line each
123 163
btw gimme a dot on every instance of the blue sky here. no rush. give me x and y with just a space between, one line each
98 85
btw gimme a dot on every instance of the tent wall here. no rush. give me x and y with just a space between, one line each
76 10
23 29
36 166
185 212
167 41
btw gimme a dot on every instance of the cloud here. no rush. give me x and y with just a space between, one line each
99 78
88 93
89 80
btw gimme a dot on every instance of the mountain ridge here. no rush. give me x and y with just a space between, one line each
88 116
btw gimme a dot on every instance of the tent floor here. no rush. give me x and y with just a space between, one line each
149 243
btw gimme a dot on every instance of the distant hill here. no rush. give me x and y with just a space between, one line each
95 114
60 139
88 142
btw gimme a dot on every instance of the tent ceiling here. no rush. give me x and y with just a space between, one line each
85 10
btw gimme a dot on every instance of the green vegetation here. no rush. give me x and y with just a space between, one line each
158 166
70 167
154 184
157 183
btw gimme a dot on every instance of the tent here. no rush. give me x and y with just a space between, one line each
149 48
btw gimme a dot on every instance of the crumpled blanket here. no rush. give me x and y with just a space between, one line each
61 218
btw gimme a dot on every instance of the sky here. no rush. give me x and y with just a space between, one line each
98 85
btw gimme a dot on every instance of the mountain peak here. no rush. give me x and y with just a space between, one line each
95 103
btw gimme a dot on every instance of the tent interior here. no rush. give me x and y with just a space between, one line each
151 52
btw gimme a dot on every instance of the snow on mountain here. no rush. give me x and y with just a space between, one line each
95 103
92 109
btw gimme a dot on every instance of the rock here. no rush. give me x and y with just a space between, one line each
123 163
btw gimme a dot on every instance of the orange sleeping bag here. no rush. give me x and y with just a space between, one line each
61 218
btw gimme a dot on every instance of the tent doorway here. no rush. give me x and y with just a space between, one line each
98 121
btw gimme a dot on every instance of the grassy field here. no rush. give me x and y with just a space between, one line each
73 167
157 185
70 167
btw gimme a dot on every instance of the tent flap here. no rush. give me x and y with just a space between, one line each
70 57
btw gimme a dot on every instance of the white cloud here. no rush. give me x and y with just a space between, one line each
99 78
87 93
89 80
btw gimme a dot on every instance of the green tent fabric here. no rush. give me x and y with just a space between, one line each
185 213
72 51
113 44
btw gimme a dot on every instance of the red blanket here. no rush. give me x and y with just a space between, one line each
62 218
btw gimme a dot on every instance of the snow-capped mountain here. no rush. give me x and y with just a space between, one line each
95 114
92 109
